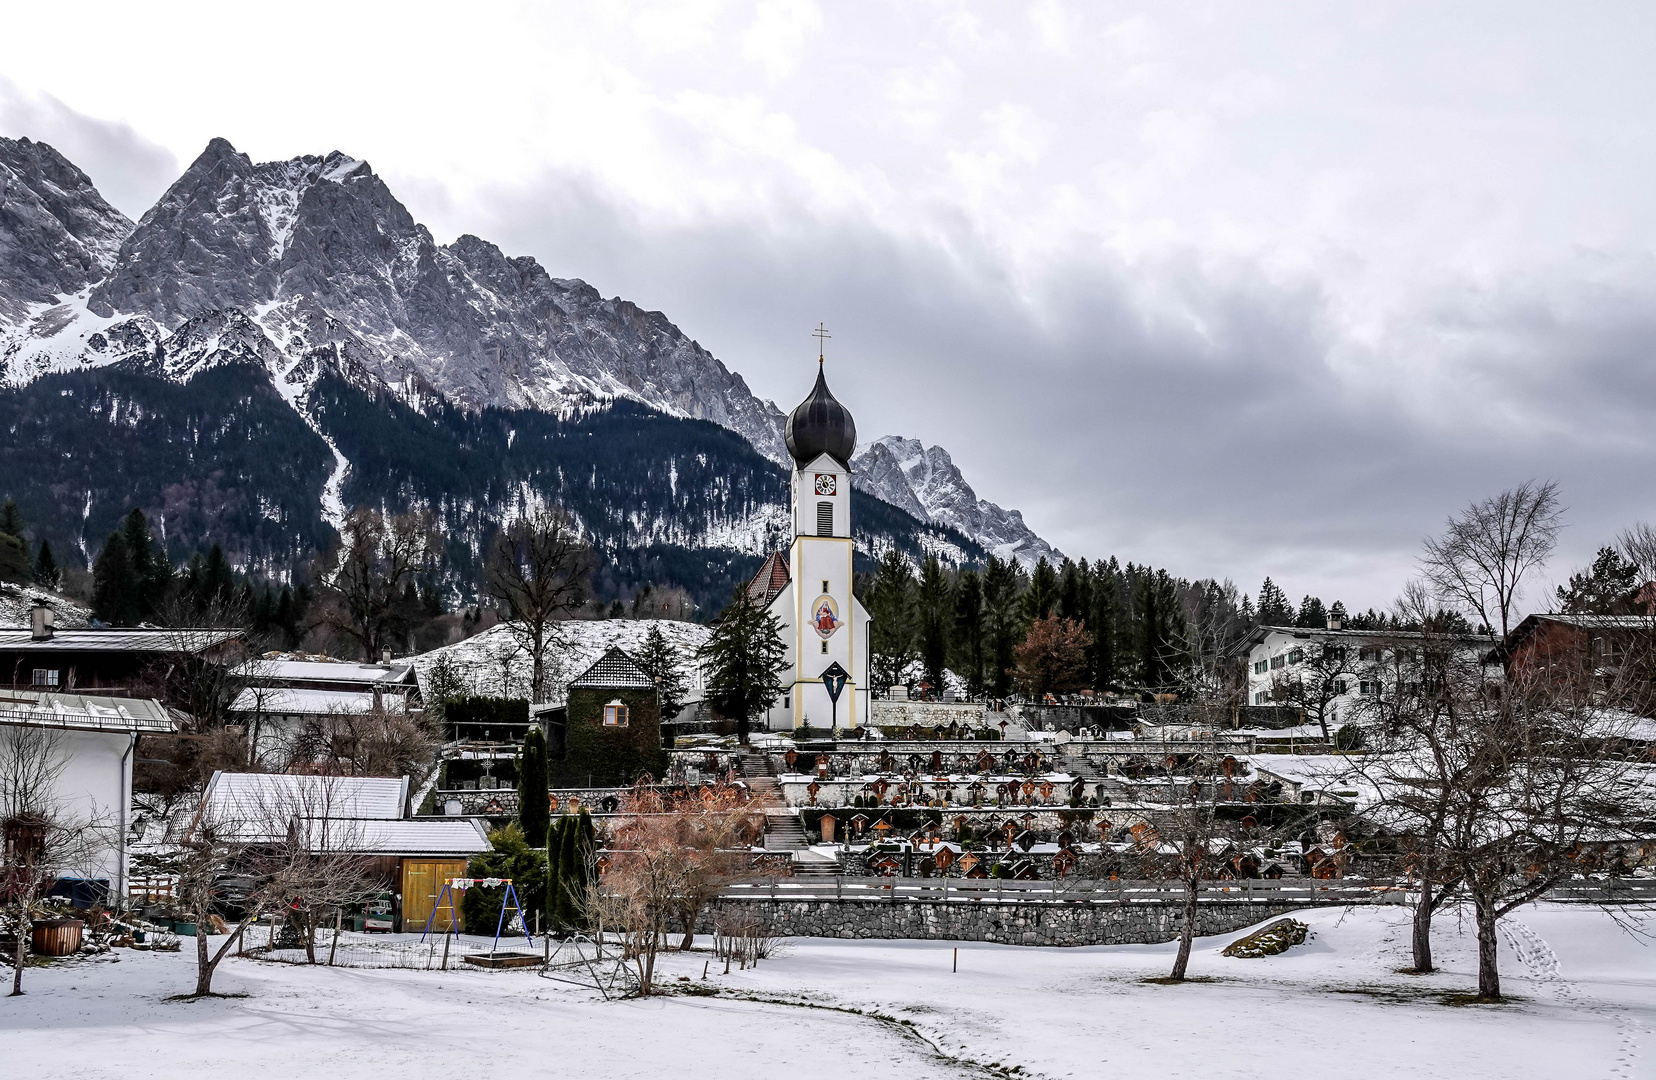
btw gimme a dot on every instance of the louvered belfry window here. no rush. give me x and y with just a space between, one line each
825 519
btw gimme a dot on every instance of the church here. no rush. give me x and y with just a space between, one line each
808 587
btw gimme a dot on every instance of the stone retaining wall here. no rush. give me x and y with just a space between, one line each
1008 923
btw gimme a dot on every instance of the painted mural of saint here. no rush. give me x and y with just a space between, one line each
825 616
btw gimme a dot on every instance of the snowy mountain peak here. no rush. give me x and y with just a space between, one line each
926 482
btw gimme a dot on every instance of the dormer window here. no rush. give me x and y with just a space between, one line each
615 714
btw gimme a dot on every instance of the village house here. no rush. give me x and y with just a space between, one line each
42 657
354 815
90 743
280 695
1340 666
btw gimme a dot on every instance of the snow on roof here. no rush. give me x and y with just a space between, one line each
261 803
84 712
323 671
494 664
302 702
142 640
614 670
374 836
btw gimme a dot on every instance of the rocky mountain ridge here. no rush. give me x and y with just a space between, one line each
296 265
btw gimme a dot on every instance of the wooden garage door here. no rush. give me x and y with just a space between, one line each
422 882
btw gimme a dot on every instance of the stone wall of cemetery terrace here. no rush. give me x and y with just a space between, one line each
1007 922
886 713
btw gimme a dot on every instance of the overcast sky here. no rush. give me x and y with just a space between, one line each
1235 290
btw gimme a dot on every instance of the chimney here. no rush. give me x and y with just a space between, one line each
385 657
41 619
1336 623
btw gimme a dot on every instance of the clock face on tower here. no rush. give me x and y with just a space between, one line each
826 483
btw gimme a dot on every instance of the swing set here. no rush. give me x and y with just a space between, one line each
508 902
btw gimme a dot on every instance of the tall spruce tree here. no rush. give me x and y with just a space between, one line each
1042 596
534 811
935 616
658 659
1274 608
891 607
1104 625
46 572
1312 614
968 629
115 587
150 569
744 658
14 550
1003 623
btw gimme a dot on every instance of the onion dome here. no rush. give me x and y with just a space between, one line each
821 425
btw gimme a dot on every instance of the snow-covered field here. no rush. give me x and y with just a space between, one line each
1584 1005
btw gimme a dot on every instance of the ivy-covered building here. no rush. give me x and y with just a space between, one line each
612 721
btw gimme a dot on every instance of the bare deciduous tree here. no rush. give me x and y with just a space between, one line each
537 572
670 858
363 577
1487 550
1506 784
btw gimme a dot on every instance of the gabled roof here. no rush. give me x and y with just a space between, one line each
258 803
771 579
300 672
1526 629
280 700
615 670
182 640
84 712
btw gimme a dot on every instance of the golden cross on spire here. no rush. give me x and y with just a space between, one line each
822 335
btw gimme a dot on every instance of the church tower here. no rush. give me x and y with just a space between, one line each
825 628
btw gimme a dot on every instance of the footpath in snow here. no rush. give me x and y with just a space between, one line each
1584 1005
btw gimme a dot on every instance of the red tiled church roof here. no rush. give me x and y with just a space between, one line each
771 579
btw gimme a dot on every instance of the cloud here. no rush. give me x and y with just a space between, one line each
128 169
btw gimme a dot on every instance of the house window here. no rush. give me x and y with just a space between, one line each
1341 686
615 714
1277 662
1372 689
824 584
1261 666
1296 656
1260 697
825 519
1369 654
825 647
45 676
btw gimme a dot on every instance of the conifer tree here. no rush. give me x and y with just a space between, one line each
1312 613
968 629
1274 608
150 570
14 551
573 872
658 659
114 585
534 813
1042 596
1103 624
46 572
891 606
744 658
935 612
1002 623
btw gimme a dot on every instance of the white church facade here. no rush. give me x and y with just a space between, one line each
808 587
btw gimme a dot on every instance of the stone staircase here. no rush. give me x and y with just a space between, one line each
783 829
